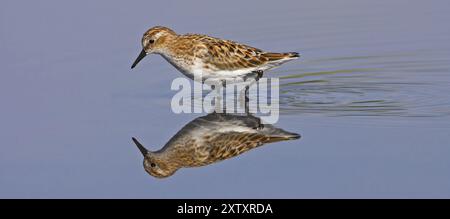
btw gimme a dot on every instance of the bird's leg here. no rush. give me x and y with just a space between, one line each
259 74
224 104
247 100
259 126
219 106
224 85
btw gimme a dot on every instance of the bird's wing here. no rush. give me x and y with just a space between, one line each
229 55
229 144
220 136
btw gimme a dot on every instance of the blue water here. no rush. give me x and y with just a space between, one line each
370 97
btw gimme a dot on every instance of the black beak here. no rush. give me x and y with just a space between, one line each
143 150
139 58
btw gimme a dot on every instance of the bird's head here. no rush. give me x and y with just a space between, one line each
154 40
154 163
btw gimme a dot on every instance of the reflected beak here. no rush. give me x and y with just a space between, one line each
143 150
139 58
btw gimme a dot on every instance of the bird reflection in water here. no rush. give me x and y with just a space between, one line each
209 139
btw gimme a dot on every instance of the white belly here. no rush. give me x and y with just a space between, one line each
196 70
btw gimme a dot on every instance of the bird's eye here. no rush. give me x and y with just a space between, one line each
151 41
152 164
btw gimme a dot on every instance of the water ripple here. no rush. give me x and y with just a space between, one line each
381 85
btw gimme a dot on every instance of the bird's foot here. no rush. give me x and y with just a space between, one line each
260 125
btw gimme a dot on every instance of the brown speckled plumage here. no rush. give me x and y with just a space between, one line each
209 139
209 57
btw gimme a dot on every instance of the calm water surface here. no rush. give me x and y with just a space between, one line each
370 97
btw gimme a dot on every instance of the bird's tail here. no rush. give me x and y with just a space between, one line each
273 57
293 54
277 134
276 59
